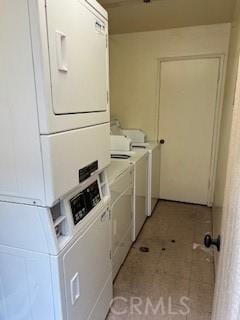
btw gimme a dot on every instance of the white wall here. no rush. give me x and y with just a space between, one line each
226 120
134 66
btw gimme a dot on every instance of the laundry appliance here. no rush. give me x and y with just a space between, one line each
56 262
54 97
55 244
153 148
139 160
120 143
137 136
139 141
120 176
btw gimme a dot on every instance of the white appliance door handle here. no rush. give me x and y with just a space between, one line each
75 288
61 51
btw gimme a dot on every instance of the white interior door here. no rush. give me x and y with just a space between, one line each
188 92
78 57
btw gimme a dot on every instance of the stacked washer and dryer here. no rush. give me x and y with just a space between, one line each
133 197
55 225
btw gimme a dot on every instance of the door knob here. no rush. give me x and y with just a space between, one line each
209 241
162 141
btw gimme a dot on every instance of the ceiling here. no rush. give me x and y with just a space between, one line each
135 15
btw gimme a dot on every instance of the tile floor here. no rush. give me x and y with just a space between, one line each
174 280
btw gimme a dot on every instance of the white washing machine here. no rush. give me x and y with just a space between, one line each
120 177
153 149
56 263
139 158
136 139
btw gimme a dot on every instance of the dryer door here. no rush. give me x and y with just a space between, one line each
78 57
87 268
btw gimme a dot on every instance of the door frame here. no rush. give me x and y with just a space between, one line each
226 303
217 116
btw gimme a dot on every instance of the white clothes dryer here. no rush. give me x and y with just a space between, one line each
120 176
139 158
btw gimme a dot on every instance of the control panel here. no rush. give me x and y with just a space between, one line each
84 202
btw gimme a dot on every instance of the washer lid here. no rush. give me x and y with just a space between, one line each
116 168
146 146
138 154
